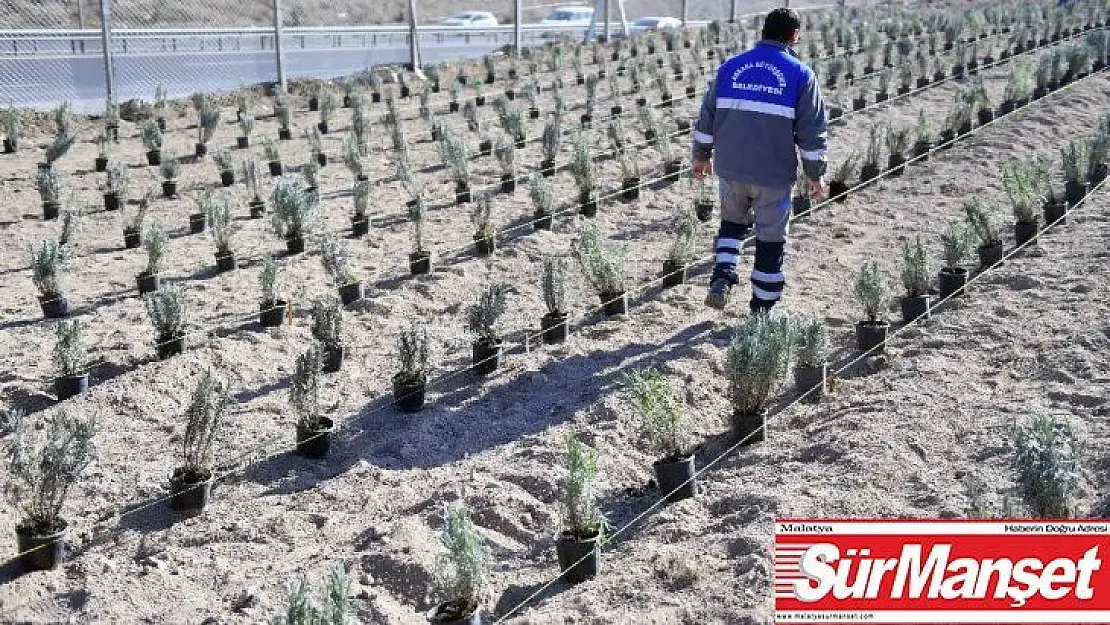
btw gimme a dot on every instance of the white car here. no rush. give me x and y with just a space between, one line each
570 16
471 18
649 24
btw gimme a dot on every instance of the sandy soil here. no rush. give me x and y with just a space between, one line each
1030 337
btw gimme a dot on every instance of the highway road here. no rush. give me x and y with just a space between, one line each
41 71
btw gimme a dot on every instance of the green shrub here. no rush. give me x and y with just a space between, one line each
48 264
811 341
331 606
917 274
757 357
1049 456
167 310
462 569
483 315
581 515
43 472
203 418
871 290
662 421
71 350
602 265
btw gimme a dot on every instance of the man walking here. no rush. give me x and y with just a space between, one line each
763 104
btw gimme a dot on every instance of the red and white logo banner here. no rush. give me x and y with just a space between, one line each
949 572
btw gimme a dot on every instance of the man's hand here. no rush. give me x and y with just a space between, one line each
815 190
703 169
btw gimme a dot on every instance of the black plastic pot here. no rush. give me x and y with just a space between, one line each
616 110
882 96
294 244
915 307
534 113
201 150
985 116
811 381
1097 173
868 172
227 178
1074 192
630 189
615 303
67 386
450 613
587 204
579 559
272 314
586 119
169 188
462 193
896 163
100 164
904 89
111 201
1054 211
285 134
486 356
508 183
225 261
170 346
674 273
315 443
242 142
951 282
555 328
921 150
946 137
331 358
703 210
197 222
154 157
147 283
547 168
408 395
360 225
420 263
50 210
858 103
671 169
1024 231
484 245
9 146
54 306
41 552
989 255
838 190
801 205
132 238
257 208
541 221
749 429
322 127
922 82
275 168
350 293
188 495
676 477
871 336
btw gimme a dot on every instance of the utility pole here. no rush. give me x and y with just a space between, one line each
278 27
414 34
518 26
106 42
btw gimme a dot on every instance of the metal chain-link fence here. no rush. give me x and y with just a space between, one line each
89 51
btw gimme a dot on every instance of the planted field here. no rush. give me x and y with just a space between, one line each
464 320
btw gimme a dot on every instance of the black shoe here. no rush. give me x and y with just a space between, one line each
718 293
761 305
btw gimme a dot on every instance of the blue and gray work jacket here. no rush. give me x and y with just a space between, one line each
763 103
